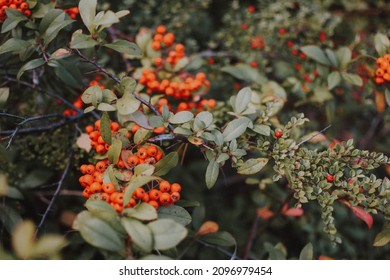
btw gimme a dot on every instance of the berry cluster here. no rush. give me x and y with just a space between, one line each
72 12
382 73
183 87
20 5
97 141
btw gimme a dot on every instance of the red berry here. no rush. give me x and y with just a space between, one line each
329 178
282 31
251 9
278 133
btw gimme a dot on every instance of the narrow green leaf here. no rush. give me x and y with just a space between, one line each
114 151
334 79
135 182
14 17
235 129
105 128
176 213
221 238
14 45
242 100
4 94
332 57
316 53
166 164
243 71
344 56
252 166
82 41
32 64
212 173
126 47
87 10
140 234
167 233
352 78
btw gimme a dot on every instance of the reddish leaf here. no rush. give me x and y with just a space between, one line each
264 213
208 227
325 258
293 212
360 213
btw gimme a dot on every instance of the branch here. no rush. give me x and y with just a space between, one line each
233 256
56 193
313 136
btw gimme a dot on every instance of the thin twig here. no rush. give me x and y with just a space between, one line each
233 256
313 136
56 193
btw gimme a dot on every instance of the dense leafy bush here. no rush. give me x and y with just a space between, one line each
194 129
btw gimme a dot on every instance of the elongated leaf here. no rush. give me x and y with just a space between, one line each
352 78
334 79
316 53
382 43
114 151
143 212
23 239
245 72
126 47
14 45
235 129
242 100
383 238
87 10
167 233
221 238
176 213
252 166
344 56
105 129
262 129
9 217
4 94
166 164
99 233
140 234
32 64
135 182
14 17
81 41
212 173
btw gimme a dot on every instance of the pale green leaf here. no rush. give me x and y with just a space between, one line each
235 129
167 233
316 53
252 166
140 234
176 213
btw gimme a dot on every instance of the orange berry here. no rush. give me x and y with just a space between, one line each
95 187
118 207
385 64
101 166
152 150
379 72
145 198
100 140
18 2
156 45
179 48
161 29
157 61
158 38
154 194
133 160
105 197
175 187
379 60
159 155
89 129
379 80
97 125
142 153
200 76
98 177
386 76
211 103
109 188
86 193
168 39
90 169
165 186
169 91
159 130
114 126
165 198
387 57
88 179
113 196
119 198
154 204
121 164
135 128
100 149
83 168
94 135
139 192
175 196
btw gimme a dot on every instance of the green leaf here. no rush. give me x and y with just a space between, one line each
4 94
126 47
166 164
352 78
99 233
36 178
221 238
127 104
204 117
242 100
14 17
105 19
90 94
344 56
212 173
128 84
382 43
9 217
105 128
48 246
156 121
181 64
66 71
143 212
321 94
275 253
316 53
245 72
49 18
114 151
334 79
383 237
135 182
332 57
82 41
176 213
3 185
144 169
51 25
14 45
167 233
140 234
262 129
141 135
87 9
252 166
105 107
181 117
32 64
23 239
307 252
235 129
